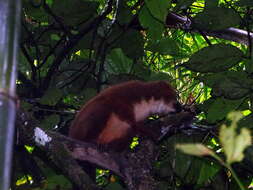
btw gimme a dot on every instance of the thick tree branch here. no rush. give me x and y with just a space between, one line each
231 34
135 168
57 151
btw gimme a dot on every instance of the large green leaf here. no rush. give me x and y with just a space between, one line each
218 109
246 122
195 149
124 13
55 180
118 62
207 172
153 26
51 97
191 169
74 12
131 42
234 144
158 8
166 46
183 4
50 122
159 76
215 58
114 186
230 84
217 18
211 4
248 3
86 42
35 12
181 167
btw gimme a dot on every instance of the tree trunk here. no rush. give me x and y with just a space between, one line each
9 22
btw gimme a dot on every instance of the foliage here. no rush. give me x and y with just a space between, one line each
232 144
71 49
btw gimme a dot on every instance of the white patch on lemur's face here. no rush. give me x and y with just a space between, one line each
146 108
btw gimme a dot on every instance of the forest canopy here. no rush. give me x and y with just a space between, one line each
72 49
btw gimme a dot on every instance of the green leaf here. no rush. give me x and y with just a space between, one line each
211 4
183 4
86 42
55 37
215 58
88 94
56 180
37 13
234 144
220 107
76 12
165 46
147 21
154 76
124 13
217 18
158 8
230 84
164 169
195 149
242 3
234 117
207 171
162 185
114 186
189 169
118 62
49 2
51 97
50 122
246 122
131 42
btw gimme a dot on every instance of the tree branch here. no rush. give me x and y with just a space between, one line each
66 49
231 34
134 167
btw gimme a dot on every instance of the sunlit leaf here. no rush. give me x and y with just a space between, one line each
184 165
234 117
246 121
234 144
195 149
24 180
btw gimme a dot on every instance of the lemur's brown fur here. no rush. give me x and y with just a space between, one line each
116 114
